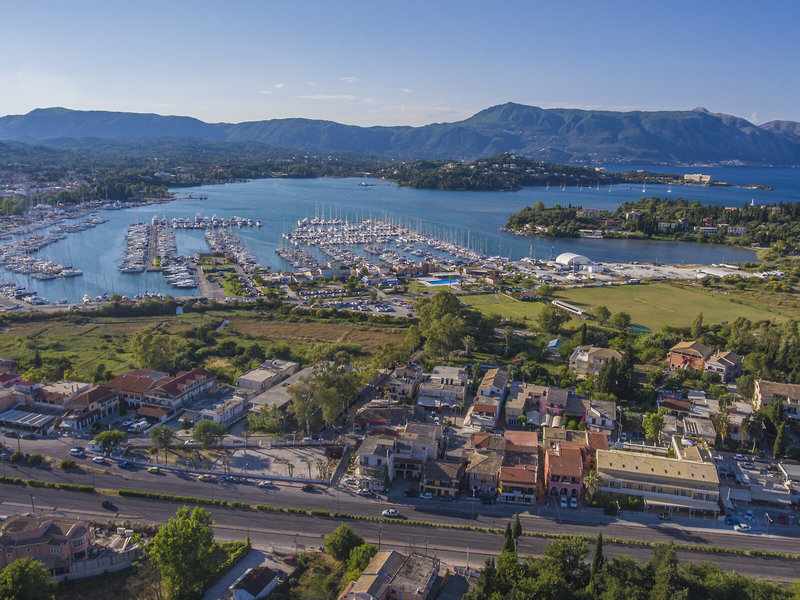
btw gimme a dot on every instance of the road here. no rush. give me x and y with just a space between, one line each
287 531
461 512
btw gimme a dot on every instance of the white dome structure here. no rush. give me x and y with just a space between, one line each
570 259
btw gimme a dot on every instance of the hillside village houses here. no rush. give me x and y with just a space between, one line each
485 411
55 541
443 389
266 375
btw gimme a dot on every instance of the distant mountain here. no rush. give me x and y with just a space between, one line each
557 135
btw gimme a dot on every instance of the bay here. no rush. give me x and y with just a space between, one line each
466 217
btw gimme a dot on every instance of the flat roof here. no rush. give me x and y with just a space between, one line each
21 418
278 395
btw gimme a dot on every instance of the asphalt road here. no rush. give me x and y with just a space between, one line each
287 531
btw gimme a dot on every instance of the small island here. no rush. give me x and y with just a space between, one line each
672 219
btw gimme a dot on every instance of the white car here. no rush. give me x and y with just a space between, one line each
76 452
564 502
743 528
100 460
266 484
573 503
390 512
739 457
426 495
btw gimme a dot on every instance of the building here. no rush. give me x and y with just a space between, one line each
278 395
728 365
133 385
58 394
488 403
442 477
442 394
663 483
89 406
570 259
403 382
689 355
184 387
395 576
483 472
788 394
564 470
519 474
55 541
600 415
225 412
524 399
416 444
375 462
589 360
256 583
266 375
554 401
697 178
699 429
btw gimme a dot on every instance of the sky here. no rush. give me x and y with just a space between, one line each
404 62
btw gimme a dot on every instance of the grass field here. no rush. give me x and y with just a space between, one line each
88 342
654 305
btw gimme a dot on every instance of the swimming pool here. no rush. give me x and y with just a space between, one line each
440 281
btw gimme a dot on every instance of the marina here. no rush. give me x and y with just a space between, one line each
377 225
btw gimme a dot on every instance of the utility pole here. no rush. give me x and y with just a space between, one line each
33 508
380 529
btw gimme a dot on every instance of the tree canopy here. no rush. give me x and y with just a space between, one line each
27 579
341 542
181 551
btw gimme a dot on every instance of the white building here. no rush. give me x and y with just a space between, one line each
570 259
225 412
266 375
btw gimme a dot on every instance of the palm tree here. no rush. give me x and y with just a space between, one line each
290 468
469 344
507 333
522 420
592 481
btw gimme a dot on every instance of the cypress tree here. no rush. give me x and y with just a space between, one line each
508 540
598 560
517 530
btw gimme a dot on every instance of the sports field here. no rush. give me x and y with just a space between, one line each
651 305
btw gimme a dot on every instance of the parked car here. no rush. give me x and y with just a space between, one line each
350 480
124 464
365 493
426 495
743 528
308 488
739 457
291 560
390 512
624 436
266 484
205 477
410 494
100 460
154 470
28 436
564 502
573 503
77 452
732 521
749 514
782 518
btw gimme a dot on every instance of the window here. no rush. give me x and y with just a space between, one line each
55 551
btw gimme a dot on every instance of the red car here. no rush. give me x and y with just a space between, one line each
782 518
291 560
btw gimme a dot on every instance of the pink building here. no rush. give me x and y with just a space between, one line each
54 541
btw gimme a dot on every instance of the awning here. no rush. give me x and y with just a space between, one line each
687 503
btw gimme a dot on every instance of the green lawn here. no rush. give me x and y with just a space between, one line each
651 305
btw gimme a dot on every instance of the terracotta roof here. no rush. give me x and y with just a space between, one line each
693 348
442 470
522 441
518 476
137 382
596 440
98 393
496 377
727 357
174 387
566 460
771 389
484 463
483 407
675 404
153 411
489 441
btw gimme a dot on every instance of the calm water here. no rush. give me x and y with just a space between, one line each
467 217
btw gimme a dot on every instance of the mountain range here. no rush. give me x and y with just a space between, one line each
563 135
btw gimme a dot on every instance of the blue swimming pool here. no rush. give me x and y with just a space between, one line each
440 281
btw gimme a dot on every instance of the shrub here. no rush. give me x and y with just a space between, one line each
67 464
35 459
17 457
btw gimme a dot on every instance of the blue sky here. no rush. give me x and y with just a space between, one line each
398 63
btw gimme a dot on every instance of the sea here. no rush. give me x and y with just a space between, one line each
469 218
